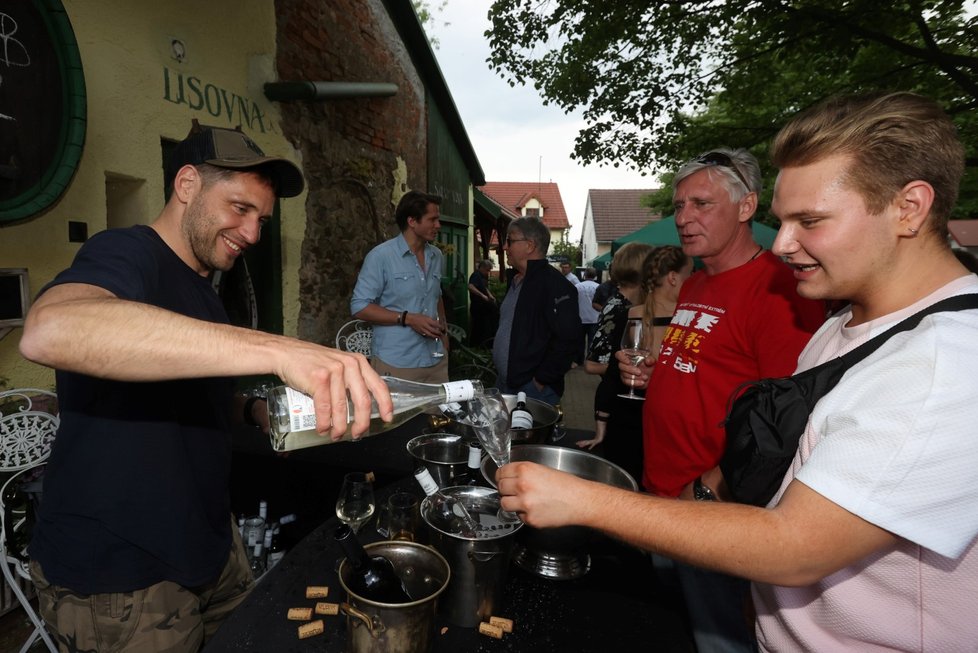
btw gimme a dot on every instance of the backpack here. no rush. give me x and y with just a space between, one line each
766 418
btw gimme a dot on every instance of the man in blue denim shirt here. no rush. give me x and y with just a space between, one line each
399 292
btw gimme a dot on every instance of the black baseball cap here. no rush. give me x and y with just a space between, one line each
231 148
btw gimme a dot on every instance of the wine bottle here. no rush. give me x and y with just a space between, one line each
473 474
257 561
520 418
277 550
292 418
371 577
451 515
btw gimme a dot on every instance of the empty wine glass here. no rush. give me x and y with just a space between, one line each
355 504
488 416
633 346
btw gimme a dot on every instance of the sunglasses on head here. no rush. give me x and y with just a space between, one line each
724 161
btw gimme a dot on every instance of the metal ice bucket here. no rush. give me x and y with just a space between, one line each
374 627
546 423
560 553
446 455
479 564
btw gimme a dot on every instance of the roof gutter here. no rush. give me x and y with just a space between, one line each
317 91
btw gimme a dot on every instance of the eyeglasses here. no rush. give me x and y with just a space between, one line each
722 160
510 241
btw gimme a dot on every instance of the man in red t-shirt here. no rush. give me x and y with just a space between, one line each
738 319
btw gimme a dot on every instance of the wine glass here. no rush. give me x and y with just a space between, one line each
633 347
355 504
488 416
437 347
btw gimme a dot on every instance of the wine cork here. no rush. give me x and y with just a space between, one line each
300 614
327 608
311 629
502 622
370 477
317 592
491 630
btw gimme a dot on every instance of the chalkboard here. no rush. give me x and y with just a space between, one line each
42 106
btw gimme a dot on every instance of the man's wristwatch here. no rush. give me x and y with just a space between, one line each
701 492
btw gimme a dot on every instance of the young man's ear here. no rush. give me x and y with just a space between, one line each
914 202
186 182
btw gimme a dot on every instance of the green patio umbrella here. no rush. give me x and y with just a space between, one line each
601 262
663 232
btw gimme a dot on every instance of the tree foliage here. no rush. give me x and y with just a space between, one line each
566 249
661 81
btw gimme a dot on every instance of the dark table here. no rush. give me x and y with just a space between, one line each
619 604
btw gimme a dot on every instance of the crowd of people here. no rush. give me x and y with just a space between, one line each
869 543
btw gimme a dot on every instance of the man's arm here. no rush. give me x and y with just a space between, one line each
86 329
803 539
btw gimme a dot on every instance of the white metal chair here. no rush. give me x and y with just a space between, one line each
456 333
28 423
356 336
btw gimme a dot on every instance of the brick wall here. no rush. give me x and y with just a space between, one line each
352 149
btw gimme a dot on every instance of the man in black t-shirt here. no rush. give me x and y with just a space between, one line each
134 548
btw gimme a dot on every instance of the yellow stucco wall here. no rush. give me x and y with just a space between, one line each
133 88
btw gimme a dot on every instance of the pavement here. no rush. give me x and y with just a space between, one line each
578 400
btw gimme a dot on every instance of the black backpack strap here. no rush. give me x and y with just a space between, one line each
957 303
819 380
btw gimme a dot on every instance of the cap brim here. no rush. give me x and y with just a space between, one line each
288 177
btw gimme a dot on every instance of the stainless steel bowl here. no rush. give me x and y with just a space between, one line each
546 423
446 455
560 553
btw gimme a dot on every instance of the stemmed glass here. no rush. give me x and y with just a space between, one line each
355 504
488 416
633 347
437 346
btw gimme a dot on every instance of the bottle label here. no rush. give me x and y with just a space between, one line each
522 420
475 457
458 391
302 414
426 481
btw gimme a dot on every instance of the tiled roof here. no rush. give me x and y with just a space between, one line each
617 212
964 232
513 195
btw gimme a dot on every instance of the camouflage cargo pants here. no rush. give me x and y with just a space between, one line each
161 618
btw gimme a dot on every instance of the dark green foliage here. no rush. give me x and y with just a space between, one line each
659 82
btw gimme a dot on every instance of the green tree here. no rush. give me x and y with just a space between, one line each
426 14
567 249
661 81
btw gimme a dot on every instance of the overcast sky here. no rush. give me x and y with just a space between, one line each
515 137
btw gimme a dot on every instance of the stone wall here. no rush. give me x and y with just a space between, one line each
359 155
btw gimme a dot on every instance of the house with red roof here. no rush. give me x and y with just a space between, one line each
610 214
523 199
964 234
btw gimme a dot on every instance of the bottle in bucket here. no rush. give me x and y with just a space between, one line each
450 513
473 474
373 577
292 418
520 418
